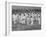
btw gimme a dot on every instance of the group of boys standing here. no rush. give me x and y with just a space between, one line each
26 18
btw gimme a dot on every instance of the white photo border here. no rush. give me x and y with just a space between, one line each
8 27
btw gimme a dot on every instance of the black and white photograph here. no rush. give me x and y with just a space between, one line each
26 18
23 18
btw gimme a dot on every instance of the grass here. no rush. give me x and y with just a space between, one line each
20 27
